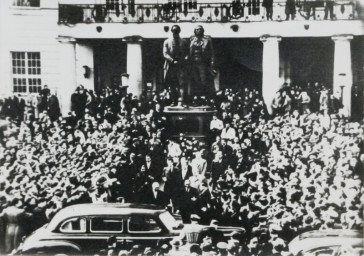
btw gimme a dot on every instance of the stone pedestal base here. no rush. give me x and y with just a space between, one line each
191 121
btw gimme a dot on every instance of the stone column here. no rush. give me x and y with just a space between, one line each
67 65
85 64
343 74
134 64
270 84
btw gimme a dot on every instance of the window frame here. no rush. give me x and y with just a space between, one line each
82 231
143 232
334 248
28 57
106 232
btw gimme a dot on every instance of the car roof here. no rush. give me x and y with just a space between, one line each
325 238
103 209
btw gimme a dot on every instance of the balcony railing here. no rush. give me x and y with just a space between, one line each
237 11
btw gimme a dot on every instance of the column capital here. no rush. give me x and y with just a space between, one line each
270 38
64 39
345 37
133 39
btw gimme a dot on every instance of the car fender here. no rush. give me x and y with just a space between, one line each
50 246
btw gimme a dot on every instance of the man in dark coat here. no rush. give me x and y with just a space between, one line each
218 166
16 108
155 196
175 52
241 164
141 184
153 169
173 181
78 102
15 219
53 108
188 203
45 92
202 62
329 9
125 175
290 9
204 207
186 169
268 4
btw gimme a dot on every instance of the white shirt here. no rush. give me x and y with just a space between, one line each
199 166
228 134
216 124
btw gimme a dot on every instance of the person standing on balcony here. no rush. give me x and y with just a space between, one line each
311 6
175 52
290 9
329 8
268 4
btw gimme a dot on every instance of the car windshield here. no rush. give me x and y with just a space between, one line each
168 220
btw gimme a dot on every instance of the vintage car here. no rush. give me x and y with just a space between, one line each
334 242
85 228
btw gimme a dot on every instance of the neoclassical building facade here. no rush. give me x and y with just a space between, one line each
65 43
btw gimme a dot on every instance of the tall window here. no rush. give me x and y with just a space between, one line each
29 3
26 72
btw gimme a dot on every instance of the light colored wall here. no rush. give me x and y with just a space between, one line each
85 57
29 29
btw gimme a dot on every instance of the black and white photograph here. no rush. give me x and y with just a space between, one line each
182 127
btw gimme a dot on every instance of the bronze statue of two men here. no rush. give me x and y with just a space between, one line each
188 62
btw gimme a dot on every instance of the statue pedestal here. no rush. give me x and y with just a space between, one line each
191 121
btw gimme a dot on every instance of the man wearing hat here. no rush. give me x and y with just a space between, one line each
78 101
102 193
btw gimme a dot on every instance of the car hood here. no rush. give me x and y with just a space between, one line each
33 240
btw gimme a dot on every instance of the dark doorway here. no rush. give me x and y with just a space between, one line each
240 62
109 62
311 59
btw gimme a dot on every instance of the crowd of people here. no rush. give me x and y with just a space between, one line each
274 175
309 7
19 108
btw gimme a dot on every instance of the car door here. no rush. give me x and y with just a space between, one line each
101 228
145 229
72 230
